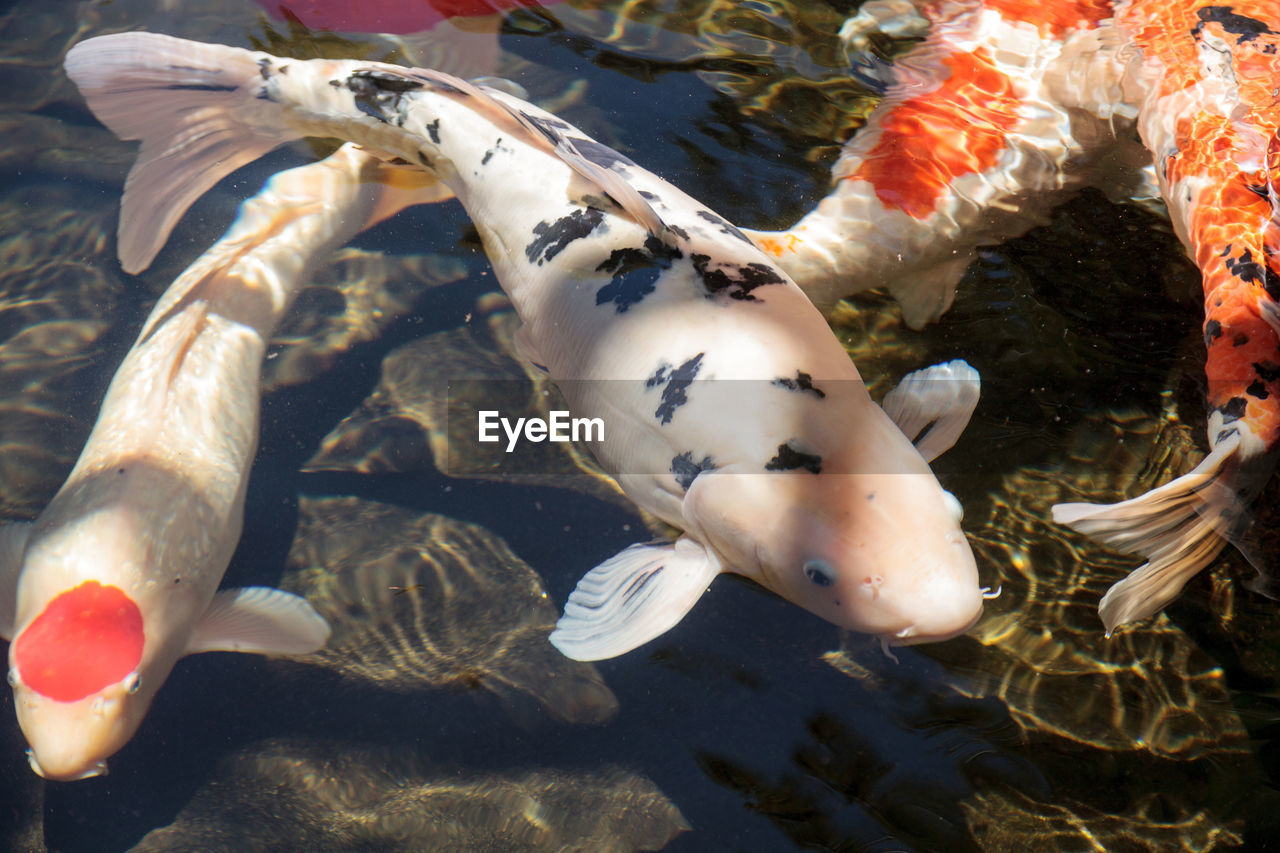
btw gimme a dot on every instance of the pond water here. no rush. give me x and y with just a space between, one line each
438 718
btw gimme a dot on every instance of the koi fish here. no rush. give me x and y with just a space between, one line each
1019 104
1002 112
1209 116
117 579
731 410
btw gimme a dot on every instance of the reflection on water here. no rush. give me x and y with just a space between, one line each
1034 731
420 601
1010 821
298 795
1152 689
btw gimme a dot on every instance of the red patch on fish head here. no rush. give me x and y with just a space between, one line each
85 639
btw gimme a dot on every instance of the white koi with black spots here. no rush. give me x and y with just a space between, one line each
731 411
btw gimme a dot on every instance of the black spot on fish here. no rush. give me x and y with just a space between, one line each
635 273
789 459
724 225
678 382
389 82
264 69
802 382
1226 433
735 281
1234 409
1258 390
1271 282
1240 339
648 196
1212 331
599 153
549 127
1241 25
1245 268
377 93
686 470
550 238
679 232
433 130
200 87
1268 370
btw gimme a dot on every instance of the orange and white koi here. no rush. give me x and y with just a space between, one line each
1210 116
1002 111
117 579
1007 106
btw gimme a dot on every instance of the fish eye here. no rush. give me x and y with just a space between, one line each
820 572
12 678
135 684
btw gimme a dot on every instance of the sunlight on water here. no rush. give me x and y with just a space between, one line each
1145 688
419 601
333 796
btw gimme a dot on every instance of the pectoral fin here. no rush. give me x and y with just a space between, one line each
933 406
633 597
259 619
13 543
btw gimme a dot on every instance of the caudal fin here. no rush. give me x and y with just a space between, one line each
1179 527
185 101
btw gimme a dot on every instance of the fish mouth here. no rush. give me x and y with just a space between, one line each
908 637
97 768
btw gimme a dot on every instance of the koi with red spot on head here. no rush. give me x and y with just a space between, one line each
86 639
82 652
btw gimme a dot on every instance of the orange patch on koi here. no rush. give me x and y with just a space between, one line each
929 141
1054 19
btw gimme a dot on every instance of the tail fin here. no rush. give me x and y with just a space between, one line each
1179 527
182 100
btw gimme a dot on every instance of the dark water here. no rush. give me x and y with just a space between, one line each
439 719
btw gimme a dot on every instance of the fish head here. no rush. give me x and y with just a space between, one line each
877 553
76 673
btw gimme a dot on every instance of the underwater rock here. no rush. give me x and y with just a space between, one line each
350 300
324 795
420 600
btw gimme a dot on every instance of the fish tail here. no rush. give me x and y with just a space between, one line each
1179 527
187 103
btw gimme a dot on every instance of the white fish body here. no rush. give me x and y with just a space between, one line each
730 409
117 579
